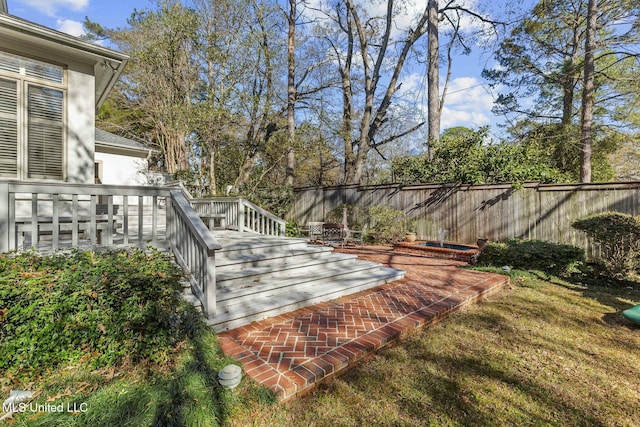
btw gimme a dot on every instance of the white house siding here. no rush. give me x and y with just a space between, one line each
122 170
80 124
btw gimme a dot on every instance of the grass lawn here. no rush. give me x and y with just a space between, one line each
538 353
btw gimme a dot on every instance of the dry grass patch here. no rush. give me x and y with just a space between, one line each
540 353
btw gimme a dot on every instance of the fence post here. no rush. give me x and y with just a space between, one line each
4 216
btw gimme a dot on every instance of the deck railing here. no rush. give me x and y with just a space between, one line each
52 215
194 248
242 215
48 215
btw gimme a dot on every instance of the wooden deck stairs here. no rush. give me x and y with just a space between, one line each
263 276
242 273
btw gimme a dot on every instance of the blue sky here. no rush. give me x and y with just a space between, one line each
68 15
468 101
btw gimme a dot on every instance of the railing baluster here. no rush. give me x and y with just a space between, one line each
34 220
10 210
55 222
140 221
241 213
154 220
74 219
125 220
110 220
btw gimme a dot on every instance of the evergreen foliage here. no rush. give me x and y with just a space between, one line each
618 236
461 155
96 308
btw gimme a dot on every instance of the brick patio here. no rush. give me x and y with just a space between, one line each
291 353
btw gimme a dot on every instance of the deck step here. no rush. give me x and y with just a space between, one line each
257 259
244 274
256 245
235 313
249 290
263 276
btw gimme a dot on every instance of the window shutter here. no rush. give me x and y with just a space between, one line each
8 128
45 133
31 67
9 62
43 71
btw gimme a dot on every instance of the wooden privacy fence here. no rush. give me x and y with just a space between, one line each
469 212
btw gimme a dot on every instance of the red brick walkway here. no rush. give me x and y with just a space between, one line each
291 353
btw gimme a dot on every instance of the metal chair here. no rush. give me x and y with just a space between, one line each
333 233
313 230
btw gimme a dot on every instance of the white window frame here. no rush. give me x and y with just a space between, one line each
23 82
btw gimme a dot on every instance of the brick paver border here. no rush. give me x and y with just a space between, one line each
293 352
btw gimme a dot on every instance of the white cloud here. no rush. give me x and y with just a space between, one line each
467 104
452 117
50 7
70 27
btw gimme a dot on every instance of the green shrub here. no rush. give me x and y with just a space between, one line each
532 255
618 236
388 225
291 229
99 308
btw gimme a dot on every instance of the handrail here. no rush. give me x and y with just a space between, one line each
241 215
194 247
263 221
195 224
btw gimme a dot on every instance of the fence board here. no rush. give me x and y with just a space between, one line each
495 212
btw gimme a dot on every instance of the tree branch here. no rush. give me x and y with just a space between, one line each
394 137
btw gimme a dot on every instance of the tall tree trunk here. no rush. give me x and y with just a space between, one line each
347 105
212 170
586 138
570 77
433 75
291 93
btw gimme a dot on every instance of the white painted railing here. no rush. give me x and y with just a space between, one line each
194 248
49 215
52 215
240 214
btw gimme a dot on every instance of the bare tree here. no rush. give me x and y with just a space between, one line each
291 92
451 12
373 49
433 75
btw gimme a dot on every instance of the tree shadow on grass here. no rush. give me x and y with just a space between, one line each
192 390
618 294
186 395
534 357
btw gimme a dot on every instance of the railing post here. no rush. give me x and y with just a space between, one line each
5 211
241 214
210 283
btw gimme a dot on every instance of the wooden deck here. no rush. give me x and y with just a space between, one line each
293 352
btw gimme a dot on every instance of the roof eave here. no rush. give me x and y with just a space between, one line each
105 147
108 63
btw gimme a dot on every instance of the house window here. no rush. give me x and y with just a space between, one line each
32 118
97 172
